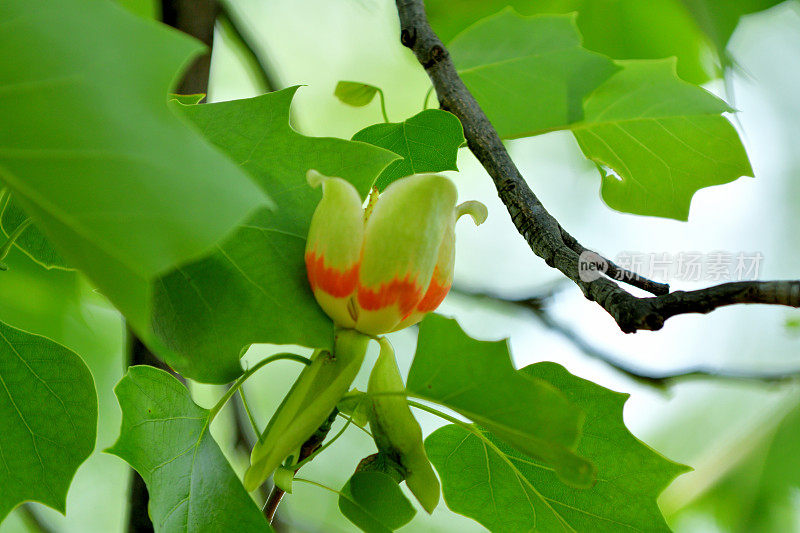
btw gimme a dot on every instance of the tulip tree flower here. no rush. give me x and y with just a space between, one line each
373 271
383 268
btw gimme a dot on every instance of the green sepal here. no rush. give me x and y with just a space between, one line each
397 432
308 404
283 478
357 406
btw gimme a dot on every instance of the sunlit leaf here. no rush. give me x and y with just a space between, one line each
529 74
48 416
253 287
165 437
478 380
508 492
664 139
621 29
355 93
428 142
120 186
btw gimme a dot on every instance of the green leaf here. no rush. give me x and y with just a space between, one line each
718 20
187 99
122 188
144 8
253 287
374 502
478 380
533 78
48 409
622 29
385 464
428 142
757 493
507 491
357 406
165 437
663 137
355 93
32 241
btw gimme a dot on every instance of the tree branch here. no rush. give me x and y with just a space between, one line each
541 230
196 18
308 447
537 306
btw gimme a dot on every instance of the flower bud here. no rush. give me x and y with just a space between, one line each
307 406
384 268
396 432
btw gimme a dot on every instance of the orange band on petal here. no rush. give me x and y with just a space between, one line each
433 296
337 283
405 293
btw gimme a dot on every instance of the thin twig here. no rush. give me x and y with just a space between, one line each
306 450
541 230
196 18
537 306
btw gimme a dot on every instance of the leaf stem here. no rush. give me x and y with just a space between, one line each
320 485
249 412
244 377
383 105
365 430
427 97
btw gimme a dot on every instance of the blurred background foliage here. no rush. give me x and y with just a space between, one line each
740 436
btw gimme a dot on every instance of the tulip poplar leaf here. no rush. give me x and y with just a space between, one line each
478 380
253 288
122 188
32 241
355 93
48 416
374 502
770 473
428 142
507 491
529 74
165 437
656 138
719 20
651 30
663 138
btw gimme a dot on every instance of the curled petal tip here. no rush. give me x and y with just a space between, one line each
315 178
473 208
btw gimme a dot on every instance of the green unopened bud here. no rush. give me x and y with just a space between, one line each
308 405
397 432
